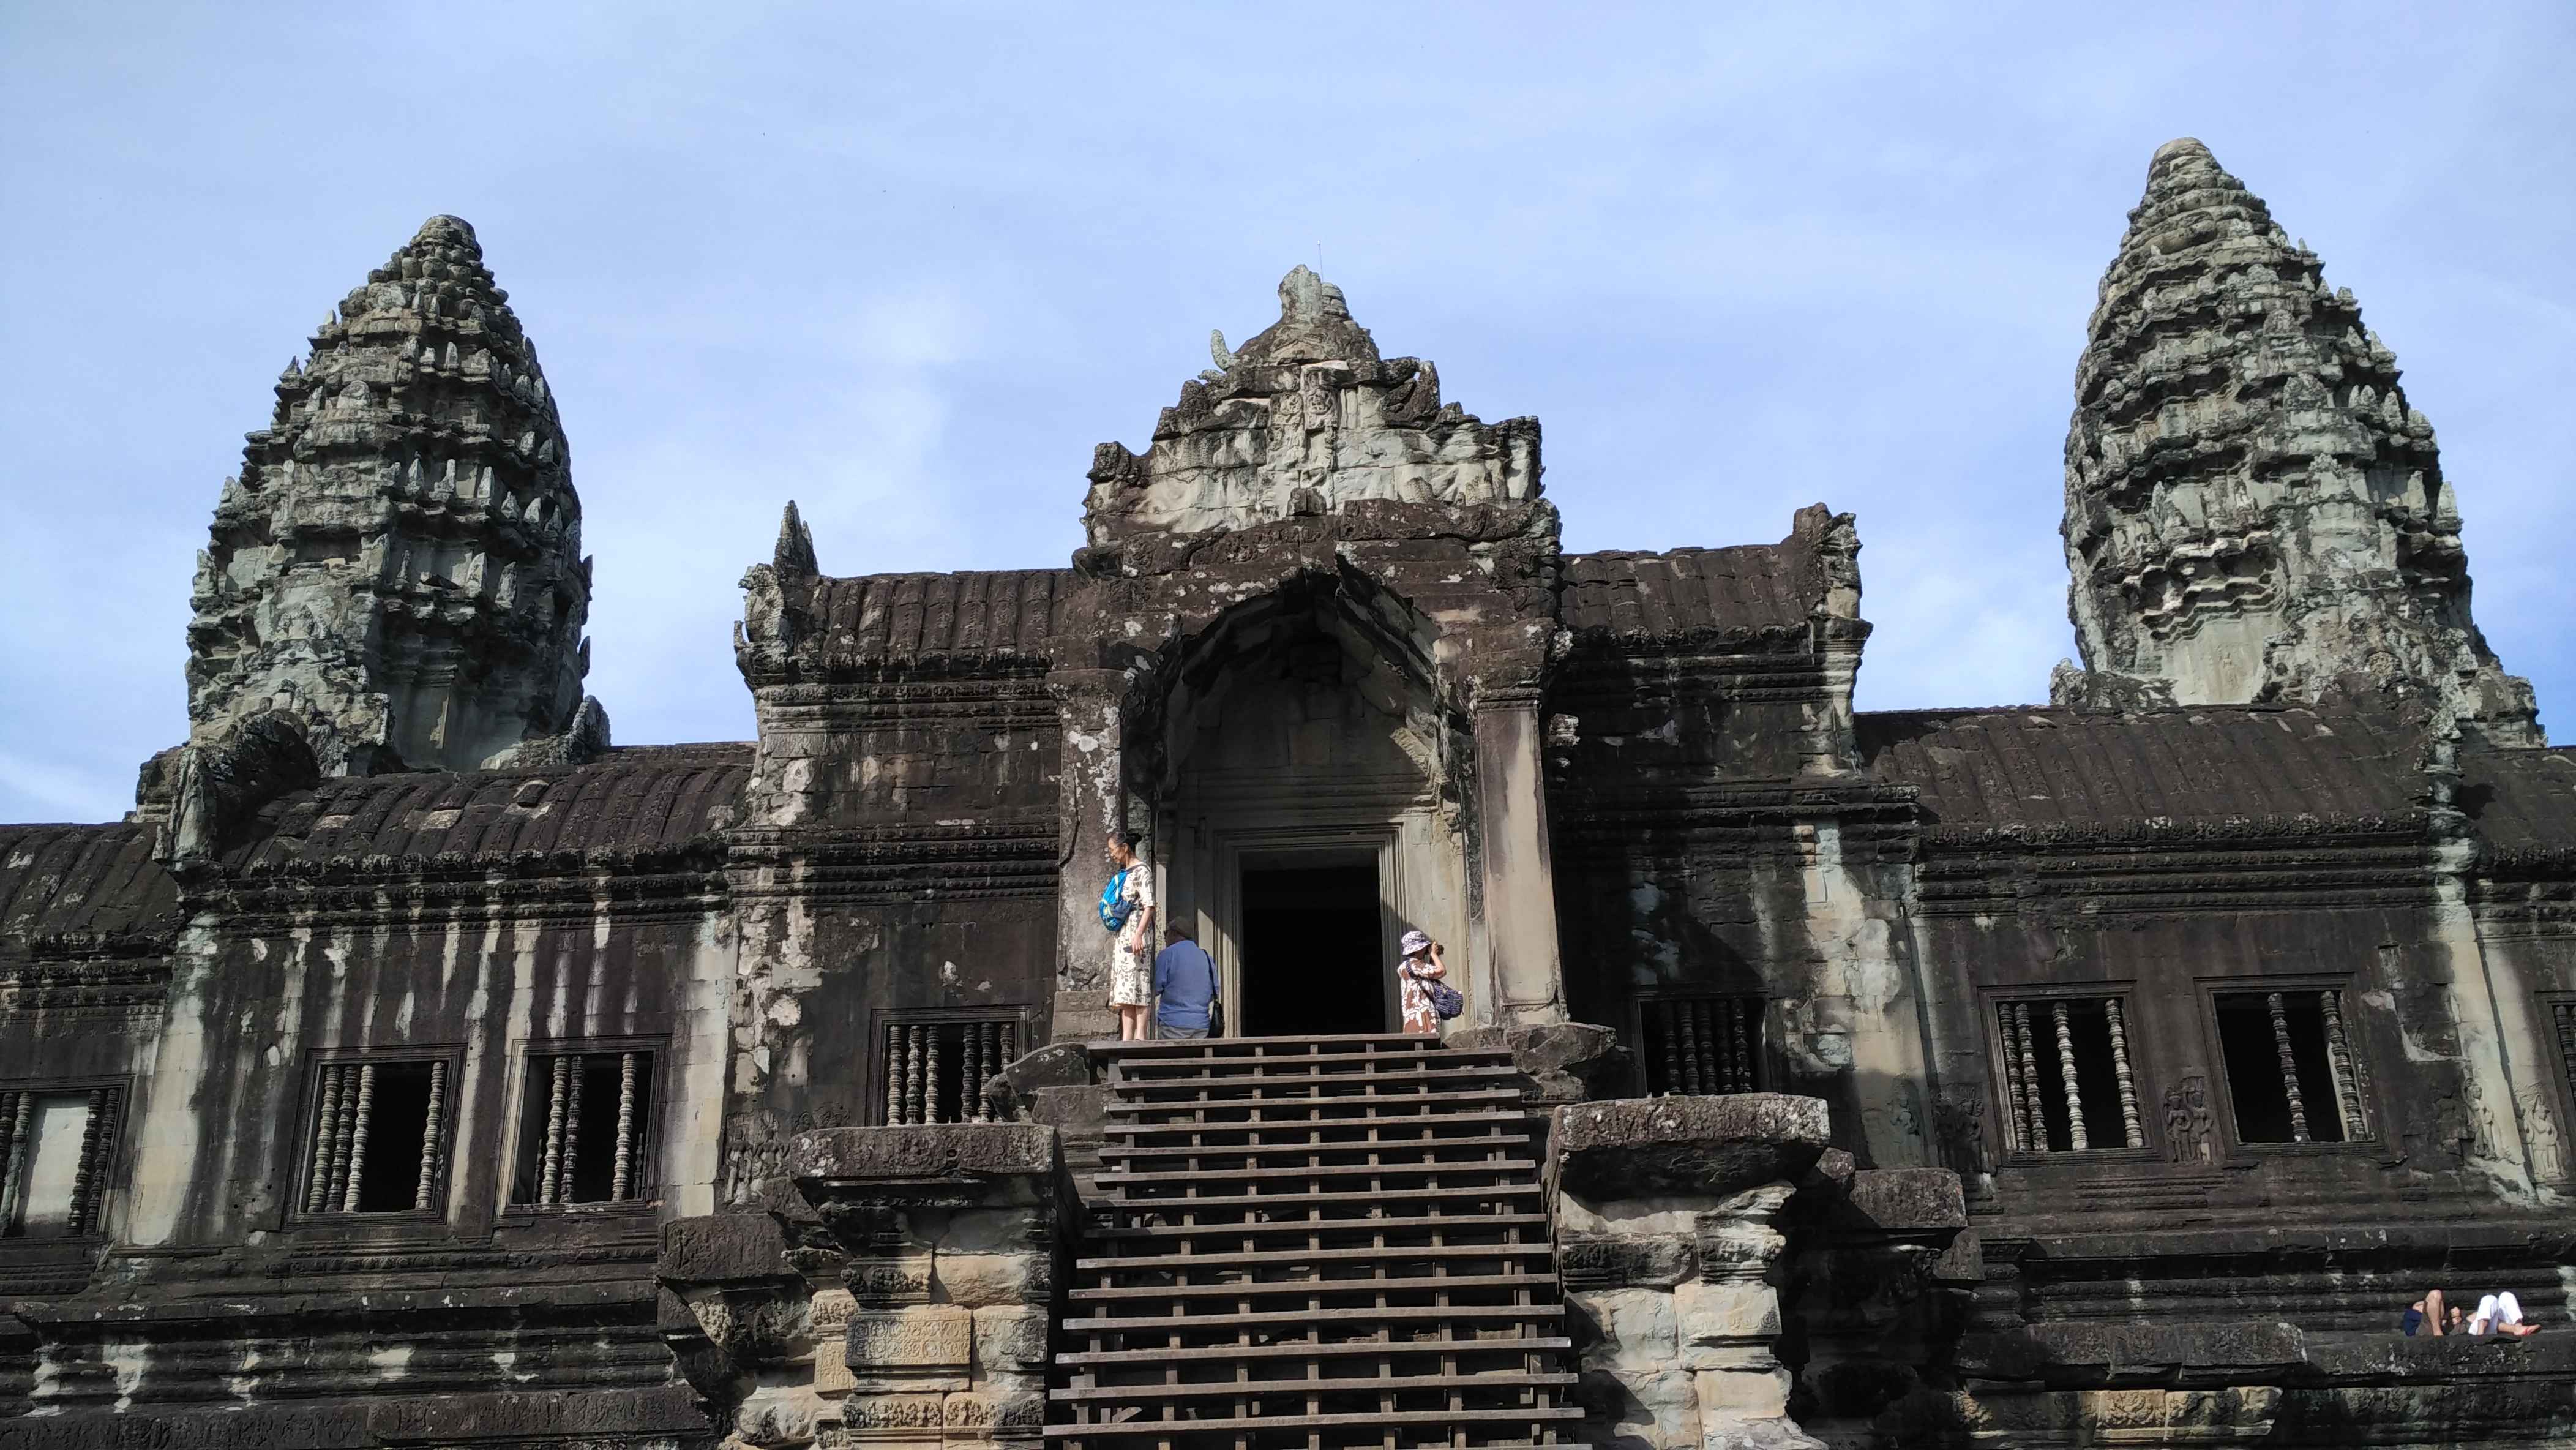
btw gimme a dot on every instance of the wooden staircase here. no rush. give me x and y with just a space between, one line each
1321 1242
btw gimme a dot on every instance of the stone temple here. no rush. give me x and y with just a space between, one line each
413 1067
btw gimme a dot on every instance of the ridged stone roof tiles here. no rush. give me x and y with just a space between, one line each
635 802
97 884
2039 767
905 618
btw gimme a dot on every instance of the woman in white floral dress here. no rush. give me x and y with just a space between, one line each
1131 952
1418 968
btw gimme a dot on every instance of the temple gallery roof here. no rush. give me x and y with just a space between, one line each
2033 766
95 885
636 801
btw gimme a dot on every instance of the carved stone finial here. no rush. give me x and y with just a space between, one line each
1218 351
795 551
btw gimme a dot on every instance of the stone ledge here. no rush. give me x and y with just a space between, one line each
722 1248
1703 1146
1910 1199
917 1152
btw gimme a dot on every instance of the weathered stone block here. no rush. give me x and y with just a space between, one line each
1658 1406
1611 1263
1009 1339
1726 1314
831 1314
887 1420
713 1247
1901 1199
1644 1147
1741 1394
976 1280
985 1415
1636 1328
926 1342
918 1151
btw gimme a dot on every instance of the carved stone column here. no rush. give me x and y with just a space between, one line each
1518 977
1090 802
955 1234
1664 1210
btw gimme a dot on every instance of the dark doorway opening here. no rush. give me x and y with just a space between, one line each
1310 948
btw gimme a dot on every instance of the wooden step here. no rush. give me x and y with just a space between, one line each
1496 1167
1119 1153
1273 1110
1319 1288
1138 1089
1267 1389
1305 1319
1405 1253
1304 1349
1364 1198
1147 1427
1413 1223
1133 1132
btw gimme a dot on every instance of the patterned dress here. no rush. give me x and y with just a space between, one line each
1413 978
1131 954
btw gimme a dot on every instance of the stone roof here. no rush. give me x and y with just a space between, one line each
1688 591
2521 800
96 887
641 801
1745 590
2034 766
980 614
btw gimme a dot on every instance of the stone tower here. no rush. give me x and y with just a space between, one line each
2253 512
398 568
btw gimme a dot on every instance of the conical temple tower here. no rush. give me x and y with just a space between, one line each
398 568
2253 512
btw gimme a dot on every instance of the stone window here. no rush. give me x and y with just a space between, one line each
55 1148
379 1138
2068 1087
584 1118
1701 1044
931 1067
2291 1073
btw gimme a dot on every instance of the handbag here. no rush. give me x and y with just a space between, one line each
1446 1000
1216 1016
1114 905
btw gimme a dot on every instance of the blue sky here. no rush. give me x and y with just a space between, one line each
907 265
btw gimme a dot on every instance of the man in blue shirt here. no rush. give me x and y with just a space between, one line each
1184 986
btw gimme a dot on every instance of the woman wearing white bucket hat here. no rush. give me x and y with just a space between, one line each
1419 991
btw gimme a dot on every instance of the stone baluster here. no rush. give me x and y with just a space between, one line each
2566 1014
2075 1134
1673 1044
550 1169
2129 1126
325 1121
892 1065
85 1173
17 1111
432 1139
1737 1010
1690 1082
1010 1036
572 1129
621 1185
358 1137
340 1132
970 1079
2037 1142
2289 1066
2013 1094
931 1075
1714 1069
2339 1062
912 1075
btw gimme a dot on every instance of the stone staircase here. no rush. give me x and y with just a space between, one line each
1321 1242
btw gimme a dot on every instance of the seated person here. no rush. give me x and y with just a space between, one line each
2424 1316
2501 1314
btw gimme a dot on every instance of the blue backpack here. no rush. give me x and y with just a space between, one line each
1114 904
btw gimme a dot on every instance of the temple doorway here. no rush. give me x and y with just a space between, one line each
1312 933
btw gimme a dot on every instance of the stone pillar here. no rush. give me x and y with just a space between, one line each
955 1234
1664 1210
1090 802
1513 942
